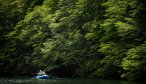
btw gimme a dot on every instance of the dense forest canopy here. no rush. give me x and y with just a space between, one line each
75 38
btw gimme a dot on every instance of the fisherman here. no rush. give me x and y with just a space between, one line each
41 72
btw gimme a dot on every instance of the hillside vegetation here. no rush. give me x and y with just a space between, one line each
75 38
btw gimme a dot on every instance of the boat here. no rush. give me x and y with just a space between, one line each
44 76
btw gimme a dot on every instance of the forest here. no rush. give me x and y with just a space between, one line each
74 38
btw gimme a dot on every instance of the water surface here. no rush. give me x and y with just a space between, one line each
63 81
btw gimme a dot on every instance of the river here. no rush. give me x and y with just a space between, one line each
64 81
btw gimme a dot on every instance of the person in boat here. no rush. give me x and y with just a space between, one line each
42 75
41 72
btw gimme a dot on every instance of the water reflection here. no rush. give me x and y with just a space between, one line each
64 81
117 82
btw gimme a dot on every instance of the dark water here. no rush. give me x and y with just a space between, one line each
64 81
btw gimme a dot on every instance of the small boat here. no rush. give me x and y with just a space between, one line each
42 76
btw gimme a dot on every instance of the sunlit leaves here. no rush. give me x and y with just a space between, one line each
135 62
124 28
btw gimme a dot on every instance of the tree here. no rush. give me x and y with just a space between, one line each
134 63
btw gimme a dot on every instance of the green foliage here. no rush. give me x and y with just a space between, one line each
84 38
134 63
110 64
11 12
124 29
